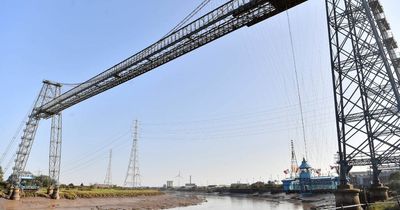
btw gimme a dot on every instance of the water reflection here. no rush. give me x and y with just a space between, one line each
243 203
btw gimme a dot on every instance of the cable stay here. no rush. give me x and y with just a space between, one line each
15 136
12 141
223 20
187 18
174 29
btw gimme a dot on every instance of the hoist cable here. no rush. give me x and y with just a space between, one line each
297 83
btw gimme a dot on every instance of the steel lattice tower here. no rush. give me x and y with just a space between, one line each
49 91
55 146
107 180
366 86
132 177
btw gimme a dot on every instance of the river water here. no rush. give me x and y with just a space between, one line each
247 203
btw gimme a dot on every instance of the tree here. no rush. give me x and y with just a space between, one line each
42 181
1 174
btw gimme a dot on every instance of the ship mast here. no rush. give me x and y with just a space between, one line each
293 163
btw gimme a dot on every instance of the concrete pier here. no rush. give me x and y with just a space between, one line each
56 194
50 190
378 192
15 194
346 195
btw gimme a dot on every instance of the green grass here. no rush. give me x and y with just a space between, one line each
105 193
384 206
86 192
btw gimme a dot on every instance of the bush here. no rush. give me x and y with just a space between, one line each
69 195
42 195
87 192
384 206
106 193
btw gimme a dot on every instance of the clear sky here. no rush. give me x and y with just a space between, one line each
223 113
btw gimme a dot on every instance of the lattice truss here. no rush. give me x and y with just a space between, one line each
48 92
366 87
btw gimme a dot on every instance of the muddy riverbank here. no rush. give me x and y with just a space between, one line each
142 202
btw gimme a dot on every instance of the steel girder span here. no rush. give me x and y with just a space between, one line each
223 20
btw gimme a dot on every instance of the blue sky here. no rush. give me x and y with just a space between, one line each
223 113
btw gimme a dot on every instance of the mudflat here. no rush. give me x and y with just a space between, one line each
141 202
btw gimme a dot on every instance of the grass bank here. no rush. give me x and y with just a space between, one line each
96 193
383 206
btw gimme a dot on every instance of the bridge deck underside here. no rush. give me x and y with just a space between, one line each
227 18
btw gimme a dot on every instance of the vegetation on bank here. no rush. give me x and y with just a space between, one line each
394 182
107 193
88 192
73 192
383 206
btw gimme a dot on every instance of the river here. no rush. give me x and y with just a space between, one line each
246 203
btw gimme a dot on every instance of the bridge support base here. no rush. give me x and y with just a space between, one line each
49 190
378 192
346 195
56 194
15 194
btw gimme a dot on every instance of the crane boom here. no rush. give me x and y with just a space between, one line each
223 20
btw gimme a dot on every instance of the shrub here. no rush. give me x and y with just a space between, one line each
106 193
69 195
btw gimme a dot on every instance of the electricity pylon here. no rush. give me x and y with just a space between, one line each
107 180
132 178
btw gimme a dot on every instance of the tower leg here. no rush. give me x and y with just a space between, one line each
56 193
15 194
55 154
50 190
378 192
346 195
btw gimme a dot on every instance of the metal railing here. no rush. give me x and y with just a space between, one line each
367 205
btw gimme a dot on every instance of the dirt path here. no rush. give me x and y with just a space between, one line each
142 202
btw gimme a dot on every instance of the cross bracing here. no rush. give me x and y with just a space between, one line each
366 88
49 91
